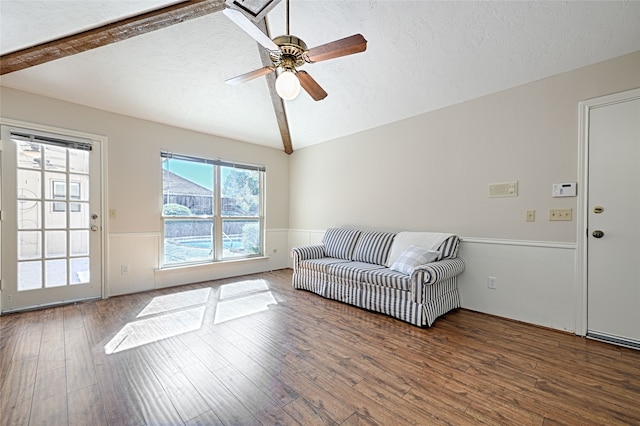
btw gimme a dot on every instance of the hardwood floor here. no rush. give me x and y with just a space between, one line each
252 350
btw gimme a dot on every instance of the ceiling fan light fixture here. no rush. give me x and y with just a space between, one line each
287 85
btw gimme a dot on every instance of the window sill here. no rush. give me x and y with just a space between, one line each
204 266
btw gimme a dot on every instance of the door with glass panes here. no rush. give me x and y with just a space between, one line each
52 225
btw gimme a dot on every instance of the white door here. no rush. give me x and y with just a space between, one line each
613 229
51 224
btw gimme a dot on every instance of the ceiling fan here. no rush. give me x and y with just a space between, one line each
288 53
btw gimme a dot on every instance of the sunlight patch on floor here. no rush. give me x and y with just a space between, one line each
152 329
242 299
173 314
172 302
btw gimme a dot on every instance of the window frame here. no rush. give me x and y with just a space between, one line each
216 216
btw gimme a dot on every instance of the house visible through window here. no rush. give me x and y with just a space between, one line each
212 210
59 192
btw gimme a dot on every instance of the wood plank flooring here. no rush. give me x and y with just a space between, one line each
254 351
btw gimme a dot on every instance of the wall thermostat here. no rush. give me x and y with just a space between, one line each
563 189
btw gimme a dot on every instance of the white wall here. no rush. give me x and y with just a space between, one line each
432 172
134 188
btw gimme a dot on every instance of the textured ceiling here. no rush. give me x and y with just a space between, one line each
421 56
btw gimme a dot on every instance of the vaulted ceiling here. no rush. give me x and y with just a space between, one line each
421 56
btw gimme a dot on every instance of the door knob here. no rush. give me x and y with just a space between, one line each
598 234
94 228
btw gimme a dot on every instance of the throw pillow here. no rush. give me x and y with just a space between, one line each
411 257
404 239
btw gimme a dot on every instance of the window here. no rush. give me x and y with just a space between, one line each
212 210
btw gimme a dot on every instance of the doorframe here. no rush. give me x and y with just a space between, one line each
584 108
103 186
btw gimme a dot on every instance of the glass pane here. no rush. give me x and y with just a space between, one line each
188 241
55 186
29 214
29 275
79 215
29 245
79 270
79 161
29 155
29 184
55 214
79 187
187 188
240 192
55 273
55 157
79 243
240 238
55 243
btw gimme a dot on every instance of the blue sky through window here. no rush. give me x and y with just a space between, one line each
199 173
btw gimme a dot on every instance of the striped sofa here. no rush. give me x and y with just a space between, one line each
355 267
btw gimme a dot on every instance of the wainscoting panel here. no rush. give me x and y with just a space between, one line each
535 281
132 259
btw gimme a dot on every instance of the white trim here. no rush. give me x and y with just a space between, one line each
524 243
52 129
584 109
209 265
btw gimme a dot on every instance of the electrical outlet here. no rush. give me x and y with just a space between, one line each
124 269
491 283
560 215
531 215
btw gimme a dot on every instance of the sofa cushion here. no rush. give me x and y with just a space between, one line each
340 242
350 271
411 257
319 265
428 240
387 278
373 247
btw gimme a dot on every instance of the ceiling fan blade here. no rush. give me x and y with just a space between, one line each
234 81
311 86
345 46
243 22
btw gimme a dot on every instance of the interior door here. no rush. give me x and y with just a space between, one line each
613 235
51 224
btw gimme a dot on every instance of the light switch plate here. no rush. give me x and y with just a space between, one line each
560 215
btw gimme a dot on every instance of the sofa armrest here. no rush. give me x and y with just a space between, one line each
431 273
307 252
